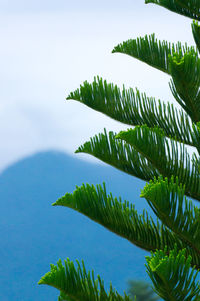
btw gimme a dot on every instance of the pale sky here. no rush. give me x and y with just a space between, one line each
48 48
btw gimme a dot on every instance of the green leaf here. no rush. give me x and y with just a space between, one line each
196 33
187 8
122 219
196 136
166 156
134 108
171 275
120 155
78 284
152 51
185 83
183 218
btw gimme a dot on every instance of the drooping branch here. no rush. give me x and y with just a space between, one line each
153 52
186 8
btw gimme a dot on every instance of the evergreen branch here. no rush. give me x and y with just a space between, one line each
135 108
119 155
187 8
154 146
196 162
78 284
122 219
171 275
152 51
166 200
146 153
196 136
185 83
196 34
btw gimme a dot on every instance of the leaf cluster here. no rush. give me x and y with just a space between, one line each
154 151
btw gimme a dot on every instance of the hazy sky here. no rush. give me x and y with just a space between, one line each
48 48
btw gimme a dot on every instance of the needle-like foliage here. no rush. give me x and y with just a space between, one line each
179 215
185 83
120 218
186 8
196 33
135 108
152 51
155 150
78 284
171 275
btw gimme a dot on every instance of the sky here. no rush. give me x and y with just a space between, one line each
48 48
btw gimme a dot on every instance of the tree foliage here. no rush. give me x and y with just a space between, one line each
155 150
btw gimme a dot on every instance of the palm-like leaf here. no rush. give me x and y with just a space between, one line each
186 8
134 108
166 200
119 155
171 275
185 84
142 156
152 51
156 148
122 219
78 284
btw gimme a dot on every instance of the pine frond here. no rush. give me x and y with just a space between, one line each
152 51
153 145
196 34
185 83
119 155
179 215
122 219
196 162
196 136
187 8
78 284
171 275
134 108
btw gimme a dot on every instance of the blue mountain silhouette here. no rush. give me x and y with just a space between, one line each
35 234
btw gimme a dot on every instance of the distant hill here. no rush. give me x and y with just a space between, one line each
35 234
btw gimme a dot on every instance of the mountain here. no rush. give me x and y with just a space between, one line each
35 234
